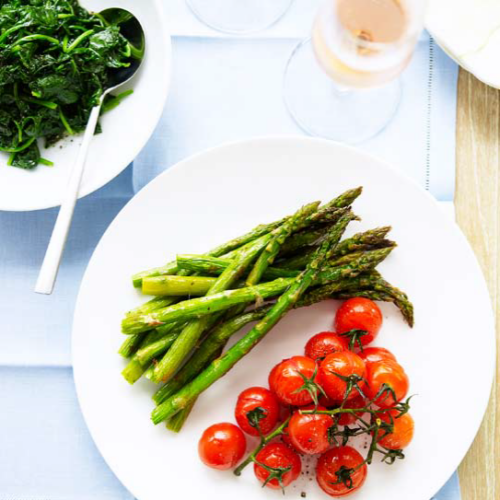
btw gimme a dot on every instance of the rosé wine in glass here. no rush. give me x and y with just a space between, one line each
357 50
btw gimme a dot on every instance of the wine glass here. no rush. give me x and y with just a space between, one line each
342 83
239 17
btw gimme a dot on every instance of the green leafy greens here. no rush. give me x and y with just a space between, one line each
55 59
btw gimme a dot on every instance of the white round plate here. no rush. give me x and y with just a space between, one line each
468 30
126 129
224 192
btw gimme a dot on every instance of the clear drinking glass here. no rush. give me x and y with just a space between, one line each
239 16
342 83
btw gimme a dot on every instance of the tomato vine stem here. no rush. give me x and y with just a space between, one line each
263 441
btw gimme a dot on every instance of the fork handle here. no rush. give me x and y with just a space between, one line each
53 255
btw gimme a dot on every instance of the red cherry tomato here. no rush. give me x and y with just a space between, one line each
222 446
285 380
345 364
277 455
374 354
285 412
285 437
308 433
327 402
392 375
257 404
402 433
350 418
359 314
333 462
324 343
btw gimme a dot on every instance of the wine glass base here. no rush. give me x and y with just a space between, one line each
239 17
322 109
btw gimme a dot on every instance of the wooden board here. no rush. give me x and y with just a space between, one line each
477 201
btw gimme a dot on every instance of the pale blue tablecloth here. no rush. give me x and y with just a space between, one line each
223 89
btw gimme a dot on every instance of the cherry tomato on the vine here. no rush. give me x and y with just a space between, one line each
285 437
359 313
327 402
336 368
257 406
309 432
287 378
222 446
351 418
391 375
334 471
402 433
277 456
324 343
285 412
374 354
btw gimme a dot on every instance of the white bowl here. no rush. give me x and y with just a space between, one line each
126 129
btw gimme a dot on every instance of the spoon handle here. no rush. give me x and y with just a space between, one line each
50 266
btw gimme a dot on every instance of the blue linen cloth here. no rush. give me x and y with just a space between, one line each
223 89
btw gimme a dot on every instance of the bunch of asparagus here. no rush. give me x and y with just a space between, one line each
200 301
